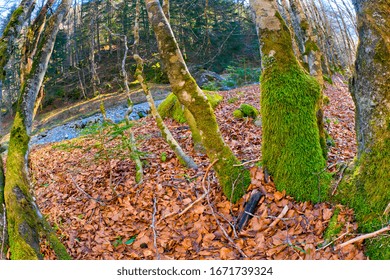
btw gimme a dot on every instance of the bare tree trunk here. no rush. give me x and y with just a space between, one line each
233 179
25 223
367 188
291 145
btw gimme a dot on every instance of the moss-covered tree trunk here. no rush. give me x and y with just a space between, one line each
312 57
289 96
367 187
233 179
25 223
7 48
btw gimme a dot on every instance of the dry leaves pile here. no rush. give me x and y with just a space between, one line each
87 189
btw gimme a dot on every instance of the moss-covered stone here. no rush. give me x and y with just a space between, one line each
249 111
238 114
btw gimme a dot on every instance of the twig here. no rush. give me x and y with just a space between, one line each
362 237
339 180
3 236
216 219
333 241
153 226
89 196
193 203
247 162
278 218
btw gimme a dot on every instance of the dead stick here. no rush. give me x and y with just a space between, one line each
84 192
333 241
339 180
362 237
278 218
247 162
216 219
3 237
193 203
153 226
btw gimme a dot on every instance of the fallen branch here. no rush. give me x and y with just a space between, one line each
2 257
216 219
85 193
153 226
333 241
278 218
339 180
196 201
247 162
363 237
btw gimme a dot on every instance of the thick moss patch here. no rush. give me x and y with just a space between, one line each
366 188
291 145
172 108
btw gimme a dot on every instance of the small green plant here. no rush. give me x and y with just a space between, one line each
163 157
67 146
232 100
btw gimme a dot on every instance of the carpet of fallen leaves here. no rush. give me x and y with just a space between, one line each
87 190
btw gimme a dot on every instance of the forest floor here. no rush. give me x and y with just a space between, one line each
86 188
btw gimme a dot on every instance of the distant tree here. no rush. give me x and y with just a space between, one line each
367 187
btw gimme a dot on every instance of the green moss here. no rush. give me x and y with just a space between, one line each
327 79
172 108
310 46
325 100
291 142
333 228
238 114
13 21
234 180
249 110
366 188
20 213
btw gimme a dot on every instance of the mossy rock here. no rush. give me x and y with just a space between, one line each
238 114
246 110
172 108
249 110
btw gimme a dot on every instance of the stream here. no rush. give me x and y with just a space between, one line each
73 129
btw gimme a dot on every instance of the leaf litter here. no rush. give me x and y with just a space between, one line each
86 188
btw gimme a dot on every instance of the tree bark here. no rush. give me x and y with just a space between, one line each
25 223
367 187
233 179
289 96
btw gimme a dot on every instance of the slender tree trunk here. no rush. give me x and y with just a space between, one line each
165 132
25 223
289 97
367 188
233 179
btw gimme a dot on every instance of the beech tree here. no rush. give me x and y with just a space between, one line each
289 100
367 187
7 48
26 225
233 179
